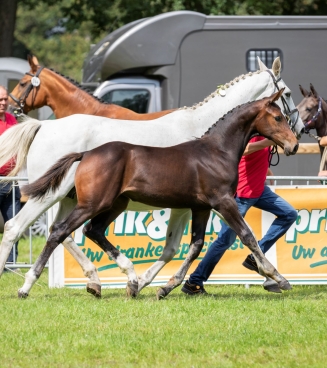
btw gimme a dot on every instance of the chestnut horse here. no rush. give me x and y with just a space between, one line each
45 87
313 111
207 172
50 140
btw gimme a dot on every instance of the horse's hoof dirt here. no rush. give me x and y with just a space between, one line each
94 289
22 294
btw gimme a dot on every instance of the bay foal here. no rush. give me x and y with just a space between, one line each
200 174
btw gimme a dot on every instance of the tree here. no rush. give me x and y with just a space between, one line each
8 11
60 32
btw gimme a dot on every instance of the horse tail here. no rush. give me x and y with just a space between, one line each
15 143
52 179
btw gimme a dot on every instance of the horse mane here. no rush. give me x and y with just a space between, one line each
225 115
211 95
221 87
79 86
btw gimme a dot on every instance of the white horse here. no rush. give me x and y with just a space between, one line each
43 143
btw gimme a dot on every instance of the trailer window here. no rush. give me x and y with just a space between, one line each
133 99
267 56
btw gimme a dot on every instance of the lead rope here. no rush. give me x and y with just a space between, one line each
322 164
273 151
323 159
317 138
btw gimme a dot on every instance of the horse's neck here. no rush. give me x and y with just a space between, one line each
233 133
66 99
249 89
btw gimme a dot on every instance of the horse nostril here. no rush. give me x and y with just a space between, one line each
295 149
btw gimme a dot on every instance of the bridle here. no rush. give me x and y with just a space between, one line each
287 111
34 83
315 117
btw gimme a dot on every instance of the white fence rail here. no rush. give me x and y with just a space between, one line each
41 225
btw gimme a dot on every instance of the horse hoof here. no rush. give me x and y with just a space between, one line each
22 294
132 289
94 289
285 285
161 293
271 286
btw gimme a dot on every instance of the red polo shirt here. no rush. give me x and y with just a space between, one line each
4 125
252 172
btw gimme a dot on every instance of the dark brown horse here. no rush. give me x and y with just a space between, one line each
313 111
66 97
201 174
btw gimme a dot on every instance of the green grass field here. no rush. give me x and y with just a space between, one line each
231 327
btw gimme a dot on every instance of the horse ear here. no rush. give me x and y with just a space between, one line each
276 95
35 60
277 66
314 92
304 92
32 60
262 66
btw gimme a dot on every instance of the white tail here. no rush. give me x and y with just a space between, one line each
16 141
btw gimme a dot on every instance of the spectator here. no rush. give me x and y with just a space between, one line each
6 202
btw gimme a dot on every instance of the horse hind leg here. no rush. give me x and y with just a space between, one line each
199 223
95 231
15 227
177 223
93 285
60 231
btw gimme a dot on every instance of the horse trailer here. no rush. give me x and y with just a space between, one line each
178 58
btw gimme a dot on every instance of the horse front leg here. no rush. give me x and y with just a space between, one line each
228 208
199 223
177 223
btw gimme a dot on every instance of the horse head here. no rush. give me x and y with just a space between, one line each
27 95
272 124
286 102
312 112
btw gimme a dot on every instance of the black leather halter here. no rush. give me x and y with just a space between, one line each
315 117
34 83
287 112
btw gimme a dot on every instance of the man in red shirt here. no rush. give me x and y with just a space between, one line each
251 191
6 201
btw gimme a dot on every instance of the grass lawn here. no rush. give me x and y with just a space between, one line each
232 327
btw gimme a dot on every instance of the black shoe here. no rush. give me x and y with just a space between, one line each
193 289
250 263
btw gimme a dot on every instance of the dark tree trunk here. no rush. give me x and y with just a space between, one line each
8 10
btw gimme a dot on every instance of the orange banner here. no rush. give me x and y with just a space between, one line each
301 255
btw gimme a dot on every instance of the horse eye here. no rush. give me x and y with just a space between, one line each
308 109
278 118
22 84
288 94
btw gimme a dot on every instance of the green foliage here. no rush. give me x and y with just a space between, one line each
87 21
62 52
